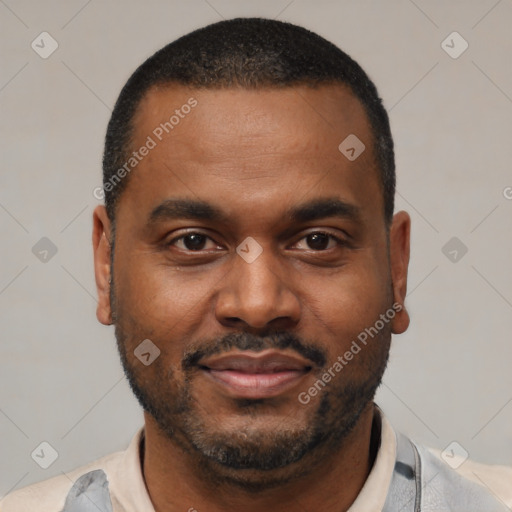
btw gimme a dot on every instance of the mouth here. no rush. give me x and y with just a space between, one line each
256 375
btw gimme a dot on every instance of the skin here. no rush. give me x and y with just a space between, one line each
254 155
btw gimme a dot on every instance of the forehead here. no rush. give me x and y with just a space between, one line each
323 112
250 144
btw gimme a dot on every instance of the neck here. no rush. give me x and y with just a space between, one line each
175 481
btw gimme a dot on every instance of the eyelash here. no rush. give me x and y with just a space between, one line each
339 241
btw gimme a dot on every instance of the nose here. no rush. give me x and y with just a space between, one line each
258 295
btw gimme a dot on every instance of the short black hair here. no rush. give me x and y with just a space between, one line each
249 53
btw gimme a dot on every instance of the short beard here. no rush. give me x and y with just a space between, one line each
257 461
249 459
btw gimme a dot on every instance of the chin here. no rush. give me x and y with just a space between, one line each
254 480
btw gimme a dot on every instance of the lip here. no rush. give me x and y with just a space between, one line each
256 375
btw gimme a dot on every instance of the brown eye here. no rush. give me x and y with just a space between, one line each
194 242
318 241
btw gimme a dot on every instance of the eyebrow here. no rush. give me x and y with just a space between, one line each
201 210
322 208
186 209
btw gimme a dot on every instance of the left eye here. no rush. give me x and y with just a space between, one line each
320 241
192 242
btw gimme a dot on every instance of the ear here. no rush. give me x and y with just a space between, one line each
102 272
399 242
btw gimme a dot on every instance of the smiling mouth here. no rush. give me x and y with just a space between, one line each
256 375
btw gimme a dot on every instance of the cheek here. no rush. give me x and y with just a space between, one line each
346 304
159 302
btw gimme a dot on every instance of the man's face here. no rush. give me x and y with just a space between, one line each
245 325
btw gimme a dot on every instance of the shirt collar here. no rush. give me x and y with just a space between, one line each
127 484
375 490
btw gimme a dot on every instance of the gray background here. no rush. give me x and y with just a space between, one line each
449 377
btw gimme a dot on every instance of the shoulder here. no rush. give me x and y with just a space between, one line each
458 484
495 479
50 495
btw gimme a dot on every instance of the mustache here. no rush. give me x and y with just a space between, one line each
246 341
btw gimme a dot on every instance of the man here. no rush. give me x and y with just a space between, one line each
250 261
